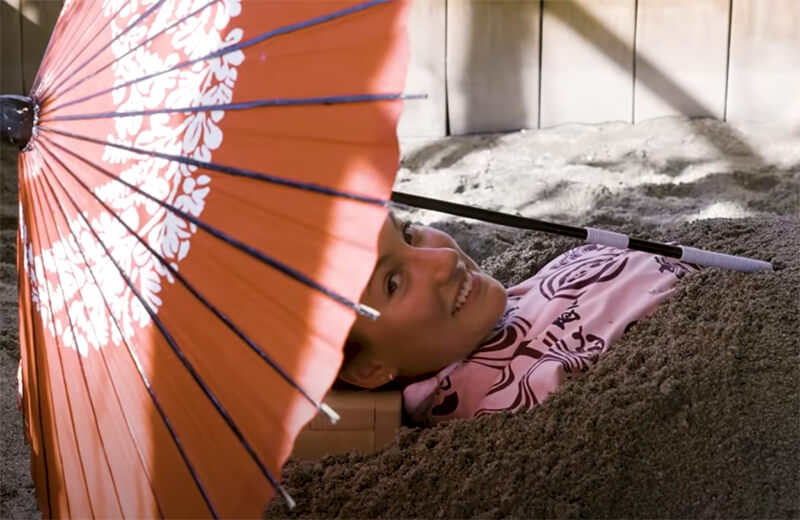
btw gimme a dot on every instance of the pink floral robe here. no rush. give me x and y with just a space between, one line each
556 324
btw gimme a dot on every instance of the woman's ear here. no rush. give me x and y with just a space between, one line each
365 372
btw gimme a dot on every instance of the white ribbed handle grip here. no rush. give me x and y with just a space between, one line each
711 259
607 238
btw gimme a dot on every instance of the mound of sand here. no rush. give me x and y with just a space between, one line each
693 413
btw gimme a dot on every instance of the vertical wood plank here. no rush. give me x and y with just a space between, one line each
492 65
764 77
10 48
587 61
426 71
681 58
38 19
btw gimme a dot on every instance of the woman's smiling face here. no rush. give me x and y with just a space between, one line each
436 306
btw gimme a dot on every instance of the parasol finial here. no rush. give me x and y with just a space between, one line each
17 117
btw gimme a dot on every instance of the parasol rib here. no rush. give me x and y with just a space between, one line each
71 324
73 46
244 105
150 10
81 44
68 400
133 355
134 359
238 172
185 362
193 290
233 48
362 309
39 362
87 77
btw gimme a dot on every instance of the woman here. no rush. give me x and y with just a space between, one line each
465 346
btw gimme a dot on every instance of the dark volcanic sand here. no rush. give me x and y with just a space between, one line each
694 413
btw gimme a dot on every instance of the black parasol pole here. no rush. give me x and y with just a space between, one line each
591 235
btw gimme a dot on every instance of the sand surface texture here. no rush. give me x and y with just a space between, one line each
694 413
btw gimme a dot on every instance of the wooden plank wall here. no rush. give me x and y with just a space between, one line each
38 19
587 61
681 58
492 64
764 81
25 27
498 65
426 72
10 47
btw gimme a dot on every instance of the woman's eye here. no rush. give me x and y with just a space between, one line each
408 233
393 283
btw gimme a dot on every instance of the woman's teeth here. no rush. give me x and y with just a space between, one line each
464 293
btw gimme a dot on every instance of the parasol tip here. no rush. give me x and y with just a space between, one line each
330 413
290 503
367 311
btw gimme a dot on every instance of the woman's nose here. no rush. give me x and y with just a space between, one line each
440 263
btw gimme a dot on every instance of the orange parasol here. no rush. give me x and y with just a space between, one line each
200 202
